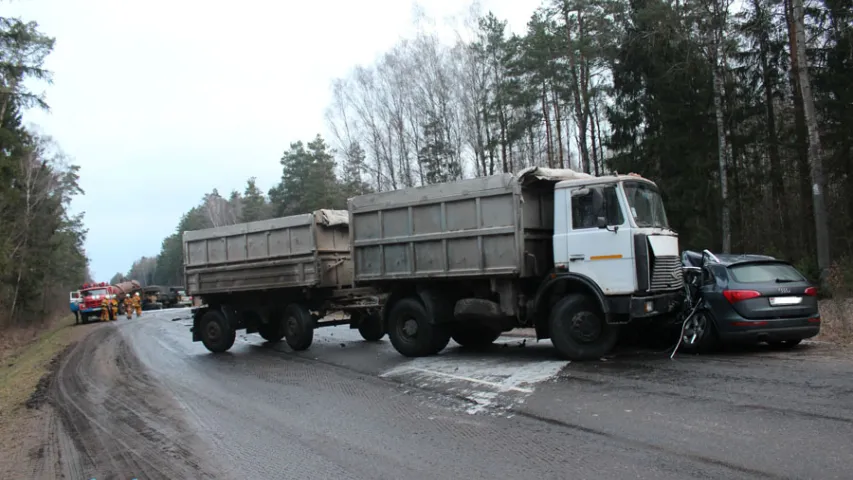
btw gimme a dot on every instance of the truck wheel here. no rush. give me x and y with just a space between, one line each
474 336
273 331
411 332
217 335
298 327
578 329
370 327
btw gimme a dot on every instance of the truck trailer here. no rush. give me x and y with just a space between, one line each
572 255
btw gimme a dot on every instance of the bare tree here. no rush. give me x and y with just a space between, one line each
815 150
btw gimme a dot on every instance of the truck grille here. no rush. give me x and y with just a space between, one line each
666 273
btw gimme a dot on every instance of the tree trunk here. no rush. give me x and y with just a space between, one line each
801 142
559 125
579 111
722 155
777 183
815 150
546 115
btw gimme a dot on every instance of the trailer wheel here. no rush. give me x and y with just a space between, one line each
411 332
217 334
273 331
578 329
370 327
298 327
474 336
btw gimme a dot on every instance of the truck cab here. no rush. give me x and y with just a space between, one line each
614 231
91 296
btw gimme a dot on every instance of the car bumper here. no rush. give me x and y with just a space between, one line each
742 330
90 310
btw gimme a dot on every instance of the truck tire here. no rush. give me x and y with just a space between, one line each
412 333
578 330
370 327
273 331
298 327
217 334
474 336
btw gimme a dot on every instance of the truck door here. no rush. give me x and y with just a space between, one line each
599 239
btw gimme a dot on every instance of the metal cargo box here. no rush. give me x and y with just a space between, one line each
500 225
309 250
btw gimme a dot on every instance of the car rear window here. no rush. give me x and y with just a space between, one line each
765 273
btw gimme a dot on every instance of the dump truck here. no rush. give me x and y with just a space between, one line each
571 255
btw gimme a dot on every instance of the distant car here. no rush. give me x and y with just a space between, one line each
748 299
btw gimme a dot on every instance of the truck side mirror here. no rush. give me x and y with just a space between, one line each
601 222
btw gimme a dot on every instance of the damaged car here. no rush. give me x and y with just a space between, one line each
746 299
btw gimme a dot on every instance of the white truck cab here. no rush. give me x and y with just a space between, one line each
614 231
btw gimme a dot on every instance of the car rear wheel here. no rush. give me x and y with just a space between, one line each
784 344
698 334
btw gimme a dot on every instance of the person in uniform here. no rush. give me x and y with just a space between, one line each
105 309
128 306
114 307
137 304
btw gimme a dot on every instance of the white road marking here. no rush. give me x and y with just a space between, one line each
499 386
489 383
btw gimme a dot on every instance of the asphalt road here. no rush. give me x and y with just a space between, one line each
141 400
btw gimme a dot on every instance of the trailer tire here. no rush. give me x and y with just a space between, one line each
412 333
578 329
298 327
273 331
217 334
474 336
370 327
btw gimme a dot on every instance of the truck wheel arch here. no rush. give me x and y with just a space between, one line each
573 283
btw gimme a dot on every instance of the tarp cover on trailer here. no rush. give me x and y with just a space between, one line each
334 217
550 174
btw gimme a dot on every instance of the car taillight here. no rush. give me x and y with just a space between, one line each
734 296
811 292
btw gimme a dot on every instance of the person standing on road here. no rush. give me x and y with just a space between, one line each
137 304
105 309
113 307
128 306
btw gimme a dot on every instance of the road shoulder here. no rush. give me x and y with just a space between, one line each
25 415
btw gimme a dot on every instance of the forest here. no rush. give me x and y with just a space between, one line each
41 242
741 112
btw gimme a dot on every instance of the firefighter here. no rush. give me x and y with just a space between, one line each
128 306
137 304
105 309
114 307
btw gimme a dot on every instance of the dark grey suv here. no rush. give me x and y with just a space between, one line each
748 298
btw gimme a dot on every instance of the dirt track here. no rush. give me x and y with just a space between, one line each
108 419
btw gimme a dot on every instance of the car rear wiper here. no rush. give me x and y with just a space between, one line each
784 280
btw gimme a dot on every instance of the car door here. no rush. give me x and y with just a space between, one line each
599 240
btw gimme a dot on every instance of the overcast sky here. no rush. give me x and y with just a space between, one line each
160 102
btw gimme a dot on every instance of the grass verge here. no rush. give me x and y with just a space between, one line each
24 368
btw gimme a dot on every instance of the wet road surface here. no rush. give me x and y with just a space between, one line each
346 408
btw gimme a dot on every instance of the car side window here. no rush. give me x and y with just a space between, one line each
585 212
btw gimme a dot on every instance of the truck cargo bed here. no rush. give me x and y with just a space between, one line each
309 250
497 225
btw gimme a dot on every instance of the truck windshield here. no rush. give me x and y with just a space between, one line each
646 205
90 293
